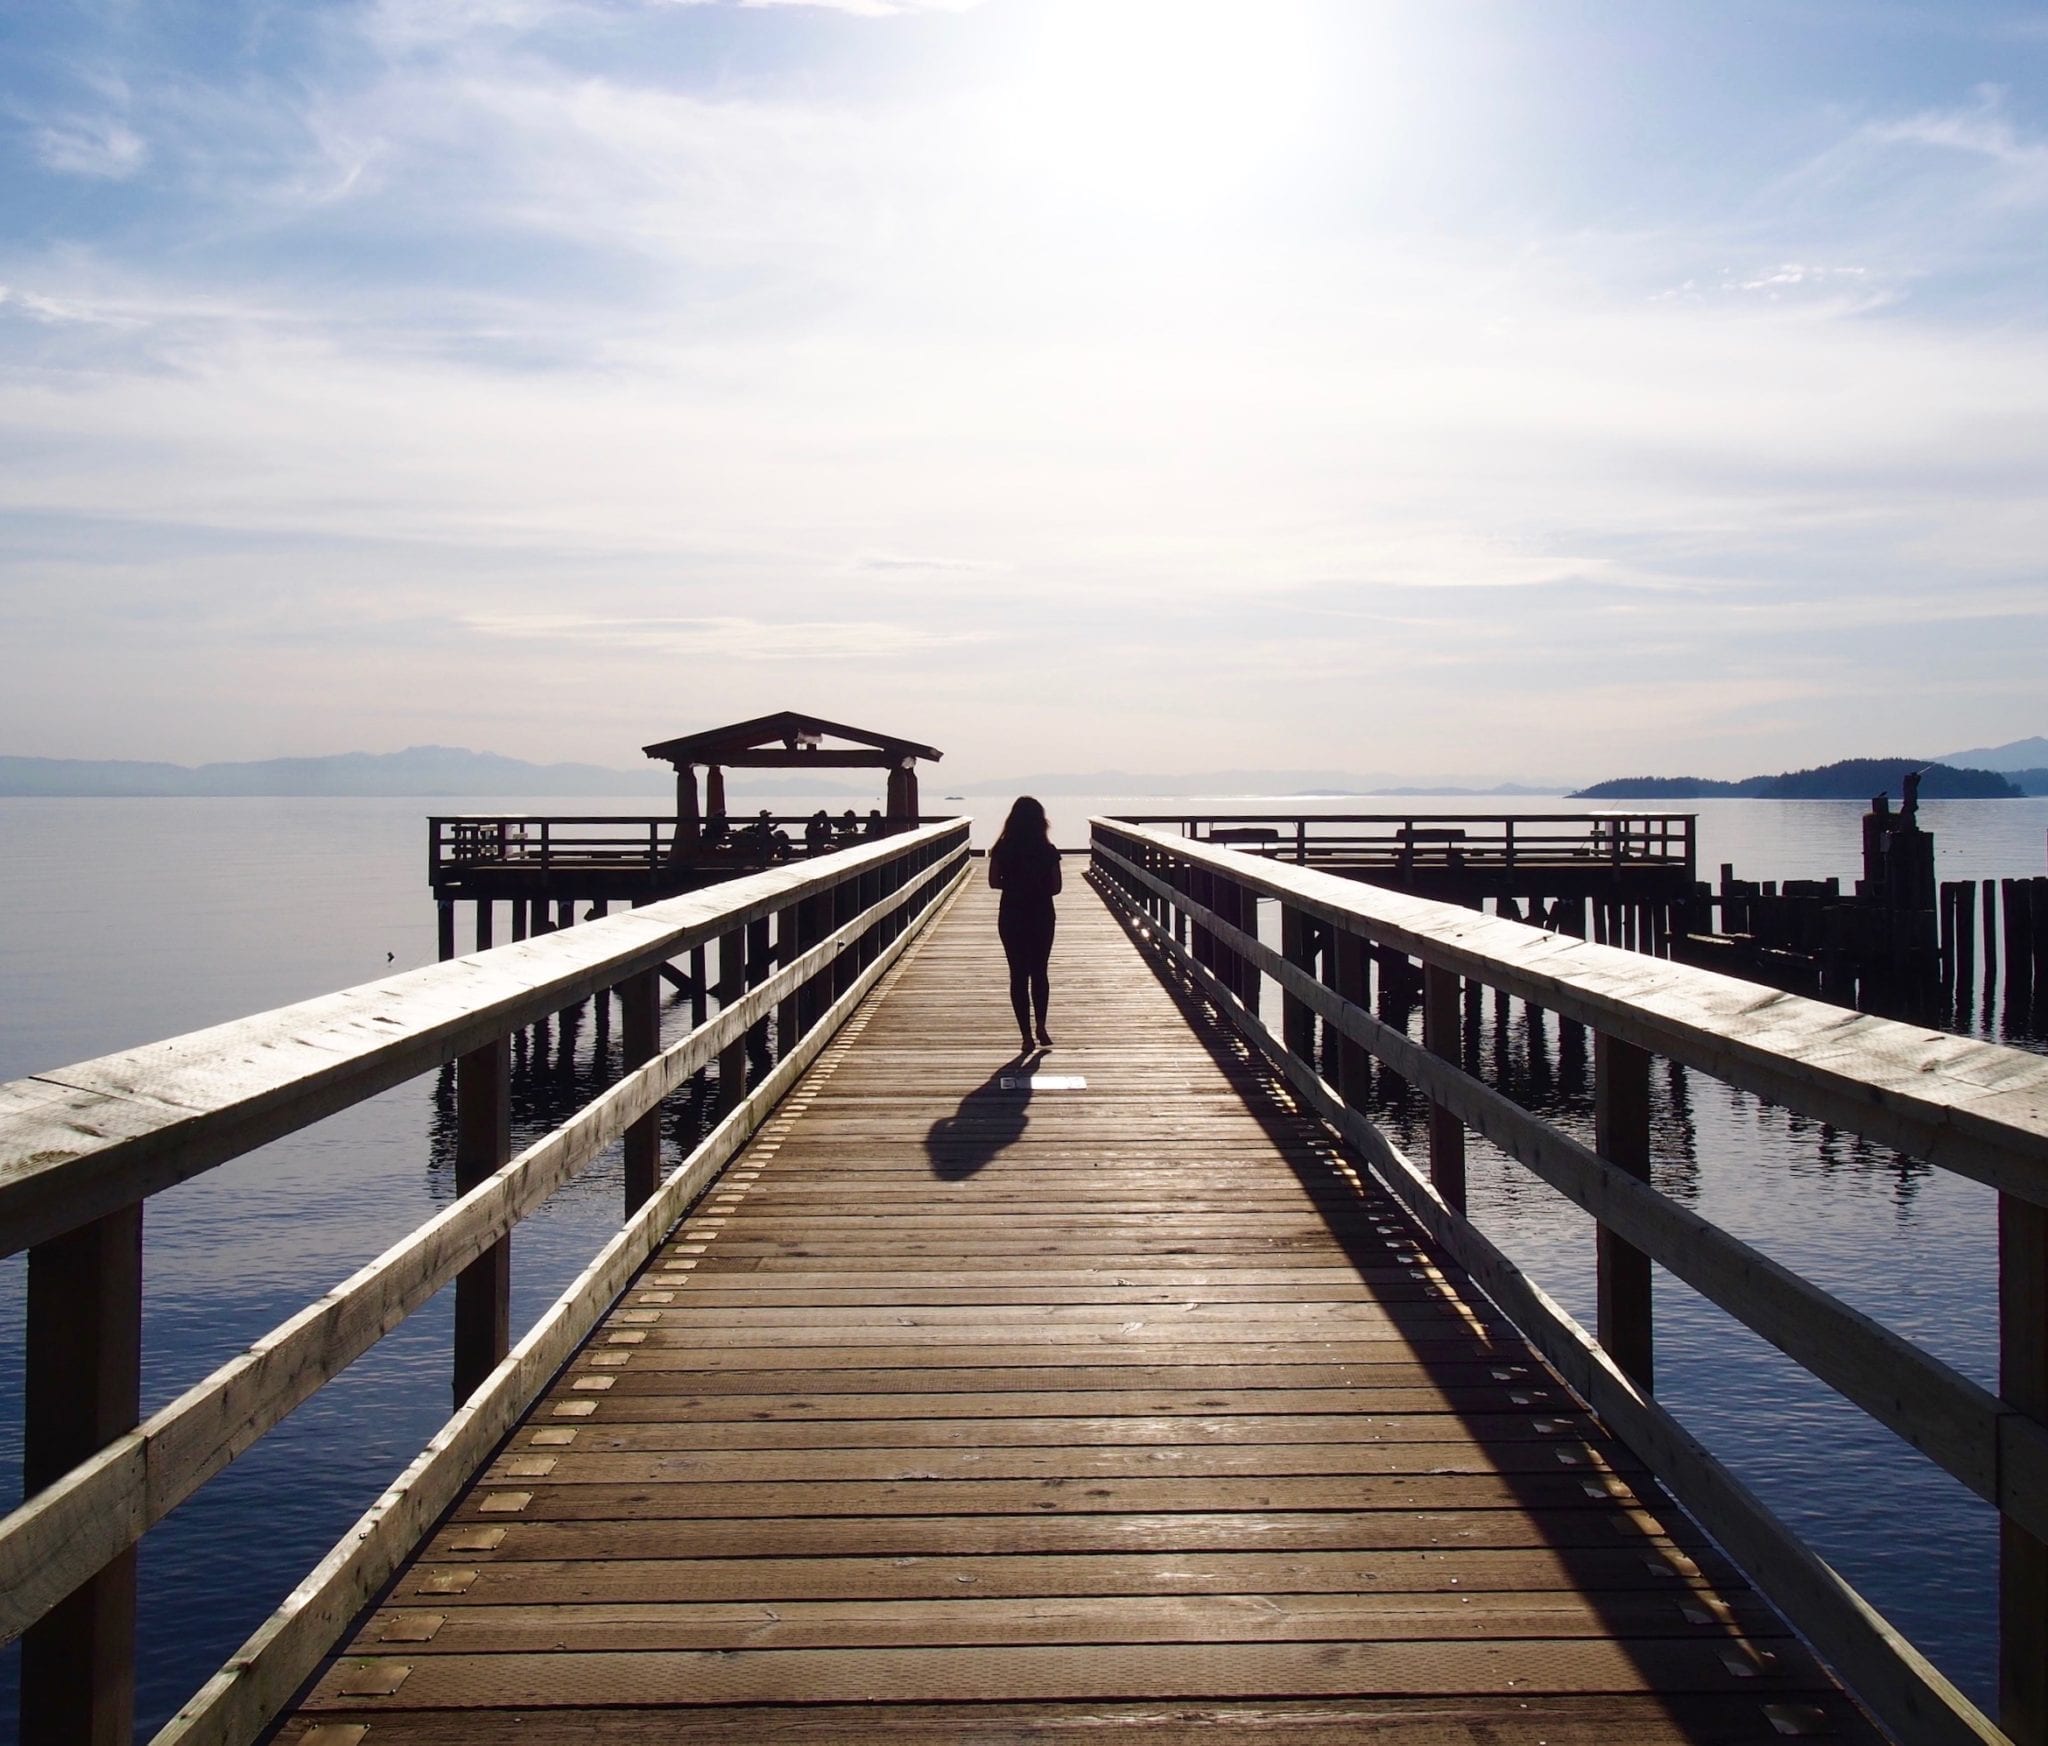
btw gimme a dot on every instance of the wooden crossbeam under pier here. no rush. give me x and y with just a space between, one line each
1101 1396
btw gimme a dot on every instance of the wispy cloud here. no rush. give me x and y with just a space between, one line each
101 146
760 345
772 641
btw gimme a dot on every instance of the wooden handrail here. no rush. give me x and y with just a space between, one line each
1979 1109
78 1142
198 1100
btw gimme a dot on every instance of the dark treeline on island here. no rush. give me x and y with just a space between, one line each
1849 779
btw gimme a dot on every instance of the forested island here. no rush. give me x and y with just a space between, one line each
1848 779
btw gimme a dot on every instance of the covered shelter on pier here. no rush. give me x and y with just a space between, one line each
785 740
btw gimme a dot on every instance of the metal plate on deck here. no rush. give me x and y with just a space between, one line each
1042 1082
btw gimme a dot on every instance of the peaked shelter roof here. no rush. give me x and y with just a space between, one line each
772 740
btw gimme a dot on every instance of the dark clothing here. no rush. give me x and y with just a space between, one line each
1027 874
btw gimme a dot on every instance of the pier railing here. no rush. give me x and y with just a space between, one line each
1978 1109
604 840
82 1149
1404 843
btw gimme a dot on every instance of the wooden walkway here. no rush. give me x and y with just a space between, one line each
970 1412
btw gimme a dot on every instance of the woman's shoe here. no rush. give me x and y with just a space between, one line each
1024 1043
1044 1038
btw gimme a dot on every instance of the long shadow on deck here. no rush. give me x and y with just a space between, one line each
1584 1494
987 1121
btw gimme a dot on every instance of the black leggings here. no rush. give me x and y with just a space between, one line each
1027 943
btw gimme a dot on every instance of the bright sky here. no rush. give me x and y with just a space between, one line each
1456 387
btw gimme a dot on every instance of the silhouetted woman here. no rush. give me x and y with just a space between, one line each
1025 868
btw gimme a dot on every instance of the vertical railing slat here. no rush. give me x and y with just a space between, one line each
640 1042
2023 1557
483 1143
82 1388
1442 999
1621 1135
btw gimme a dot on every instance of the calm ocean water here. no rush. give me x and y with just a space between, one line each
129 920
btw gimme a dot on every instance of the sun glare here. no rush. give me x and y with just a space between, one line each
1162 103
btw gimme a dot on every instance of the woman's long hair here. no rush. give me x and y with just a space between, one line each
1026 826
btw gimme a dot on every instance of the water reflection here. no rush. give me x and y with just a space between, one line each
567 1059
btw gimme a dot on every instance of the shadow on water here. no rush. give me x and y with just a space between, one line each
988 1120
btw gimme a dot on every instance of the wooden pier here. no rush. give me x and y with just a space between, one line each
1144 1388
986 1396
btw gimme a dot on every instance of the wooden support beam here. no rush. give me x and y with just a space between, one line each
2023 1556
822 759
445 928
1621 1135
640 1042
485 909
1440 1011
483 1142
82 1388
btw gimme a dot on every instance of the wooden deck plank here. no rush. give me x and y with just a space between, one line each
1010 1415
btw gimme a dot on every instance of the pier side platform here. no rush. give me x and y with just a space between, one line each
1103 1396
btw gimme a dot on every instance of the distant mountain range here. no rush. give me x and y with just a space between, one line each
430 772
1849 779
422 770
2015 757
446 771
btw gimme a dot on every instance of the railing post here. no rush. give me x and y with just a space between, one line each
1297 1017
788 926
82 1388
1621 1135
732 983
1440 1022
846 966
640 1042
760 966
483 1142
1201 886
1354 1062
810 929
2023 1382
